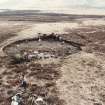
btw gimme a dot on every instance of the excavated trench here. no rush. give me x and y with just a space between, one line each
44 55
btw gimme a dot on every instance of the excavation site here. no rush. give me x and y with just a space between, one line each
51 58
42 48
39 58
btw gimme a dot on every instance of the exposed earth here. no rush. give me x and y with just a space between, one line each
62 59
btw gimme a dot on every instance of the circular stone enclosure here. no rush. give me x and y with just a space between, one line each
43 47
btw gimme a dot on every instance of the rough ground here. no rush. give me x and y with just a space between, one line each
77 79
83 81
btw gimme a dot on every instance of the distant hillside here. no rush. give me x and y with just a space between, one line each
41 16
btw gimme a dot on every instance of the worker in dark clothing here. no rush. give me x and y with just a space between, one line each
23 82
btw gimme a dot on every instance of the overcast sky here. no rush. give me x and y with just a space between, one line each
74 5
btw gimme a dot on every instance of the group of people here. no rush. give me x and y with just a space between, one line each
16 99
